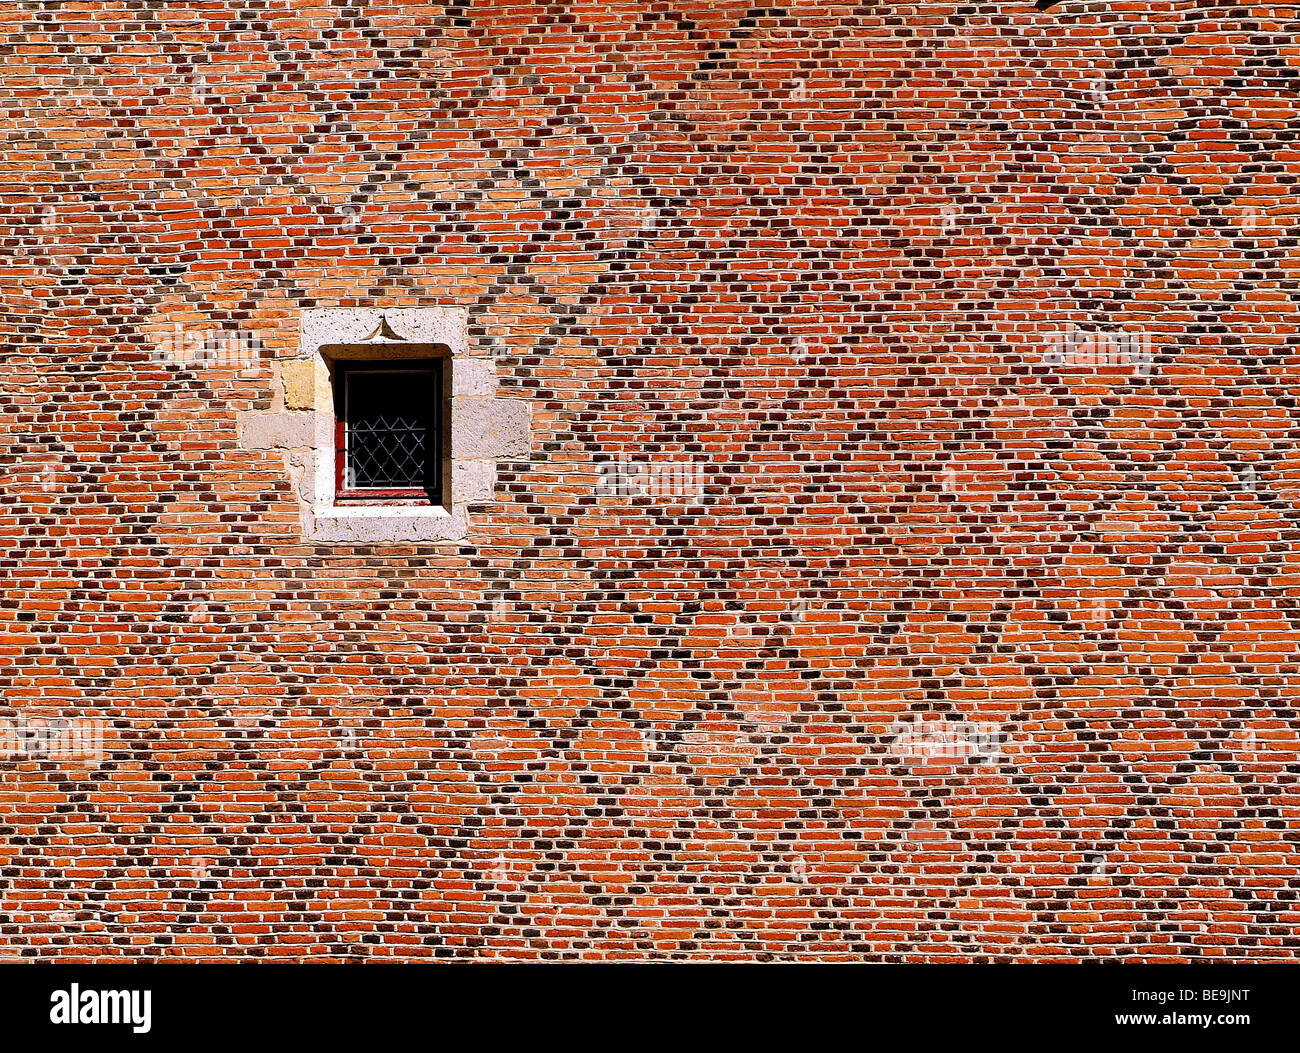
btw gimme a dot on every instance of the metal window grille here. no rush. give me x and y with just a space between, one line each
388 434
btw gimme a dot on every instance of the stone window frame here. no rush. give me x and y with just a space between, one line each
482 427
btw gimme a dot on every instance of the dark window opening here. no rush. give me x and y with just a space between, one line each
388 431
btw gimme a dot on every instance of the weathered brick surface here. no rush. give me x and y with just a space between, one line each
818 255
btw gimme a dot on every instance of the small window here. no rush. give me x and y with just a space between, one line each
388 432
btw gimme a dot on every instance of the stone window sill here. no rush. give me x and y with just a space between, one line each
391 525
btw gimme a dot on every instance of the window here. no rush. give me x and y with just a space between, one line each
430 425
388 431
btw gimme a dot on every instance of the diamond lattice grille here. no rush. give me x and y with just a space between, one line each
391 417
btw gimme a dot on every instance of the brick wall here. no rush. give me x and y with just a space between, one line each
903 561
